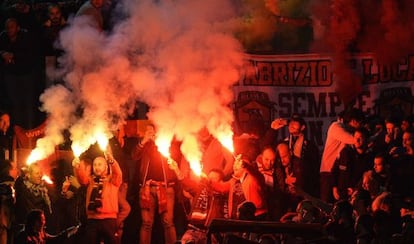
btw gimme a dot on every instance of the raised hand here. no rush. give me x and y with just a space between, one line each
278 123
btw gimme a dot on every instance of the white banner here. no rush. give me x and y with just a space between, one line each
276 86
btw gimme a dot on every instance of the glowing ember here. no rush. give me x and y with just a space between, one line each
47 179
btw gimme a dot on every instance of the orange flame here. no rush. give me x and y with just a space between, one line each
196 167
47 179
226 139
163 142
78 147
102 141
35 155
192 153
100 137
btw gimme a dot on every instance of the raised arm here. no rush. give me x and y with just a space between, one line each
116 178
341 134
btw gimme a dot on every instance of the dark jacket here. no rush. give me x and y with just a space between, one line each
152 164
349 168
25 50
295 168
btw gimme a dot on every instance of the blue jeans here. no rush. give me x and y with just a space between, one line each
167 217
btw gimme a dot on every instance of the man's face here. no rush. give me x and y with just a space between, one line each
390 128
35 175
238 169
405 125
284 155
378 164
55 15
295 128
4 123
359 140
407 140
12 28
268 159
99 166
150 131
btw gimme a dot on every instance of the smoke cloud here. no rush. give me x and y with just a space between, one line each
180 57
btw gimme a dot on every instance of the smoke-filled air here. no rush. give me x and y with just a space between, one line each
181 57
382 28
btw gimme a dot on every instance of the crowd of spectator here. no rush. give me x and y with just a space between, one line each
131 192
29 50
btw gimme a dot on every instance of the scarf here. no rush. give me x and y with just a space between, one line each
39 190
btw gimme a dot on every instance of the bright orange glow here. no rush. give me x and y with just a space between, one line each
102 141
77 151
194 157
226 139
99 136
196 167
79 147
163 142
47 179
192 153
35 155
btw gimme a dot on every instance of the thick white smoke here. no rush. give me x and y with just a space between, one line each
179 57
57 101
